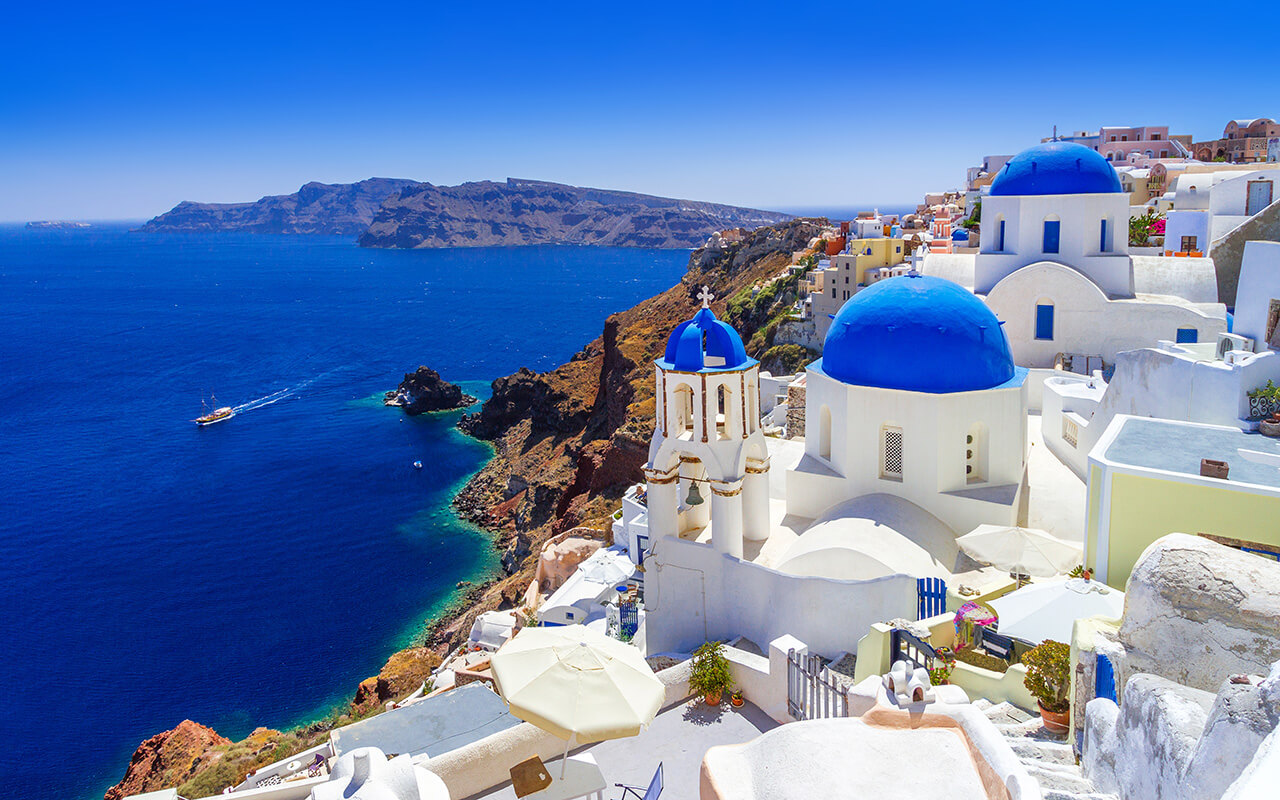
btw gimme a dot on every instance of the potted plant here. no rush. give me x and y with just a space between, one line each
1048 675
736 698
710 676
943 665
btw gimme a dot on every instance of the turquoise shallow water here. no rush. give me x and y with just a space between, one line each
250 573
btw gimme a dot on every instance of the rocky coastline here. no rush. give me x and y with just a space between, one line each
567 444
424 391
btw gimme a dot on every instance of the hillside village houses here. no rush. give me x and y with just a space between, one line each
1051 385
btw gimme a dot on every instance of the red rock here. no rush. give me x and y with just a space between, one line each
169 759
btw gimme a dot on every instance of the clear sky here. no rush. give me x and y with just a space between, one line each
122 110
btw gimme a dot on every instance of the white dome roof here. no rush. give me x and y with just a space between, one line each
870 537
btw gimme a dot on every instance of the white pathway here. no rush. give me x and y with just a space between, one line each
1046 756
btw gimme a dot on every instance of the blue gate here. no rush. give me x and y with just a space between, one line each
931 596
1104 683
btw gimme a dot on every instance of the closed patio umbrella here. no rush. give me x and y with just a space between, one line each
578 684
1020 551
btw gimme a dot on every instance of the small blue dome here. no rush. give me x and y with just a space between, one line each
917 333
705 338
960 235
1056 168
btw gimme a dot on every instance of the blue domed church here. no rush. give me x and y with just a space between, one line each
917 396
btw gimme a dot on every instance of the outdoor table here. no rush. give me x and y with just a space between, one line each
582 778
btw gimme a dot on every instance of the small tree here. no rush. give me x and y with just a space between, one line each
710 675
1048 674
1142 228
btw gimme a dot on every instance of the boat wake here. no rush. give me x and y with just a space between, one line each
283 394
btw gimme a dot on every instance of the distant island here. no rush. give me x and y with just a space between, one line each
335 209
399 213
57 224
527 212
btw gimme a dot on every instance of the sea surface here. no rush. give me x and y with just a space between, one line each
252 572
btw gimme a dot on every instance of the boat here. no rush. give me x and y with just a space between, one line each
417 465
216 415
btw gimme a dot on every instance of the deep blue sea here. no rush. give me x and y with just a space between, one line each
253 572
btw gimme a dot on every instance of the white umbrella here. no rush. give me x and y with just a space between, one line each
1021 551
577 683
1048 609
606 569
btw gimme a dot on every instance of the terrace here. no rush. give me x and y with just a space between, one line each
678 738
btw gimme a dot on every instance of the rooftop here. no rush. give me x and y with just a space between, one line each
1177 447
679 737
433 725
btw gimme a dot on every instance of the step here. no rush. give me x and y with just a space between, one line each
1032 751
1060 779
1007 714
1031 729
982 704
1058 794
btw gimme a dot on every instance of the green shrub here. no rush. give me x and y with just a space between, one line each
710 670
1049 674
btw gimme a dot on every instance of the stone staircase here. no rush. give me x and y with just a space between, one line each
1047 756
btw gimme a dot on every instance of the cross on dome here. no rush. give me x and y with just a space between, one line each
706 296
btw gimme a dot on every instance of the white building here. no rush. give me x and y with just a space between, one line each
1209 205
916 429
1055 265
1206 382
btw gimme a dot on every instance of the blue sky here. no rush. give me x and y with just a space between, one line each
121 111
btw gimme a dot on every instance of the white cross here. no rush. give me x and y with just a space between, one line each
706 297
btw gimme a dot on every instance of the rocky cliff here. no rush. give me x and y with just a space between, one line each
569 442
525 212
424 390
340 209
169 759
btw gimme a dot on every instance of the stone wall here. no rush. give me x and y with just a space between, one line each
1228 251
801 332
795 411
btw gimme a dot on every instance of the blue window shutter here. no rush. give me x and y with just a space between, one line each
1188 336
1102 237
1000 243
1052 227
1044 322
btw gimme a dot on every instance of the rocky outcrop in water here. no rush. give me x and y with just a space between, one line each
424 390
525 212
339 209
403 673
169 759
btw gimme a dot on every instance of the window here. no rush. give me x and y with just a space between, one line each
724 410
1102 236
975 453
1188 244
1044 321
1188 336
1000 238
1155 137
684 409
1164 153
824 433
891 453
1052 228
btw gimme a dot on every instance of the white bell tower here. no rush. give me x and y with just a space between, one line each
708 463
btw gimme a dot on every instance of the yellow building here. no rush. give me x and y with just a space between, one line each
863 262
1145 482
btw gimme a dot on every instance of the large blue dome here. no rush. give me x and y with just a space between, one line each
1056 168
705 342
920 334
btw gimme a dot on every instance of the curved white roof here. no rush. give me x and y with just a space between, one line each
870 537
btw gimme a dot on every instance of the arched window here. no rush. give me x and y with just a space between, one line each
753 405
824 433
1000 236
724 409
975 453
684 409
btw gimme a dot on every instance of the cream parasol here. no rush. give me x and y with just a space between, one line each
577 683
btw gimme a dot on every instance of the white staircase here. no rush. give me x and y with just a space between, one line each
1047 756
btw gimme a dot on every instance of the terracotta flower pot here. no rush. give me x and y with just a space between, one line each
736 701
713 699
1055 721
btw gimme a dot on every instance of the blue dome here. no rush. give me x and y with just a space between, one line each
1056 168
920 334
960 235
705 338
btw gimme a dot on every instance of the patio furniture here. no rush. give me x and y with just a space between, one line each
577 683
529 776
653 792
580 777
1020 551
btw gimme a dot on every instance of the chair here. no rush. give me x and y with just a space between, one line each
652 793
